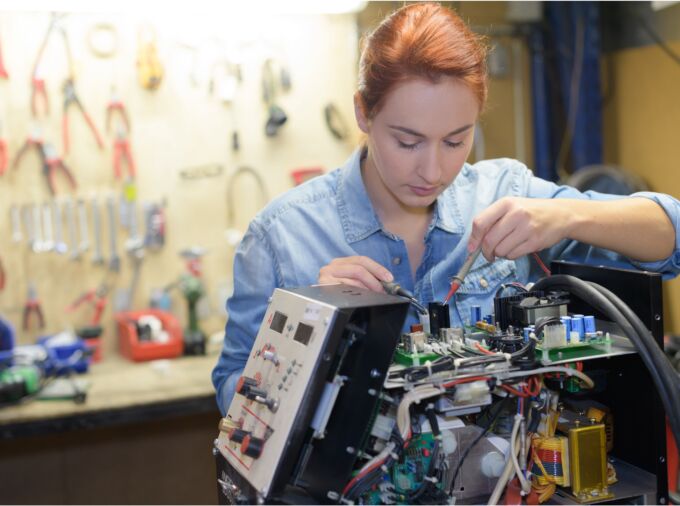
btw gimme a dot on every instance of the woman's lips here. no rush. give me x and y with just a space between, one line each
423 191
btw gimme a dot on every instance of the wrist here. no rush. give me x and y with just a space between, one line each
576 217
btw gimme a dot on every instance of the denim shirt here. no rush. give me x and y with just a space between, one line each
332 216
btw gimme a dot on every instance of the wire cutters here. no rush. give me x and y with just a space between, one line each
33 141
52 163
122 153
3 70
71 97
39 94
32 306
98 298
116 106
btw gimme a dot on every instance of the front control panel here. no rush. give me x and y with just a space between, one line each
296 353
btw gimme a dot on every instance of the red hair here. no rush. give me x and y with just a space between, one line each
422 40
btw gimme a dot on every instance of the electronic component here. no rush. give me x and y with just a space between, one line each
523 309
588 463
320 350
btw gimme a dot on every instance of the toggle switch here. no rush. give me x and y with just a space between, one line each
252 446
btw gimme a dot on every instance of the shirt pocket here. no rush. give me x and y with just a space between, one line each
481 284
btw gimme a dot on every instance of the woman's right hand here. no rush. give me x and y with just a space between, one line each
359 271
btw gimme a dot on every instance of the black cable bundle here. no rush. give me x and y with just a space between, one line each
664 376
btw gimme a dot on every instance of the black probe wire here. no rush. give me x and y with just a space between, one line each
663 375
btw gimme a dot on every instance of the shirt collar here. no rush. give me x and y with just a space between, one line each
358 216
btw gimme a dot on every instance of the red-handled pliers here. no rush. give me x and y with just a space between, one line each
31 306
4 157
52 163
3 70
70 97
3 277
97 298
122 154
116 106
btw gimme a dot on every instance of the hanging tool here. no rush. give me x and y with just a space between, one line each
3 70
114 260
116 107
97 257
15 218
48 240
38 91
71 97
98 298
3 276
149 68
335 122
51 163
102 40
33 142
72 236
59 244
82 222
154 219
32 306
4 156
122 154
26 215
38 244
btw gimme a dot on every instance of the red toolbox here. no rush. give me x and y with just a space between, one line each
134 349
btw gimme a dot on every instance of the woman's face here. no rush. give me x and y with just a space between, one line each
418 141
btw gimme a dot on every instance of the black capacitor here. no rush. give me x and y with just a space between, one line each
252 446
244 385
238 435
439 317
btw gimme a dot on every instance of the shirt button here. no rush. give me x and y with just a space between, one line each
396 260
484 283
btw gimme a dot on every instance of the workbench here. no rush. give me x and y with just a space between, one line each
144 435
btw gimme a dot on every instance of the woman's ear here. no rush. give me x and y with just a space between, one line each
360 114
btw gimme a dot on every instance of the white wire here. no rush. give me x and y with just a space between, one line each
526 486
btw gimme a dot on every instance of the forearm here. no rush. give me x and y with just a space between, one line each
635 227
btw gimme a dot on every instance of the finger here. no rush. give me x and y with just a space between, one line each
485 220
512 244
499 232
358 273
330 280
370 265
524 248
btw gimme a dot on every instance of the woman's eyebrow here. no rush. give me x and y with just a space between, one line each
418 134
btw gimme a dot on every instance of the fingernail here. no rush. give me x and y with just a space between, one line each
387 276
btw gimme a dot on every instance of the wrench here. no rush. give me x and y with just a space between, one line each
28 225
59 244
48 243
134 242
114 261
16 224
37 229
97 258
82 221
72 237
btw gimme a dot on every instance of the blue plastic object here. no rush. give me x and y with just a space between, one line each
65 357
7 340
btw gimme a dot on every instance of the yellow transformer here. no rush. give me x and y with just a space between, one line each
588 462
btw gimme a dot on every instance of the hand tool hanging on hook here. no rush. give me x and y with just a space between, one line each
38 245
116 107
48 242
38 91
71 97
82 224
114 260
72 234
33 142
97 298
52 162
15 218
3 70
97 258
122 154
4 155
32 306
59 245
3 276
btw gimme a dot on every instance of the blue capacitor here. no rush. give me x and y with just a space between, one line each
577 326
489 319
475 314
566 320
589 324
527 331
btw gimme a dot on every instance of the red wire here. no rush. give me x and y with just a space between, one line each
483 350
511 390
464 380
541 264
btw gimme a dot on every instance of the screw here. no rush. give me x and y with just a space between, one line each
372 392
657 317
375 373
662 459
215 452
350 450
662 500
216 442
332 495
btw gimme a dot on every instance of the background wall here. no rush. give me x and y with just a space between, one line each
178 126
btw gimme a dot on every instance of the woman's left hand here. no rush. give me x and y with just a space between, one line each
516 226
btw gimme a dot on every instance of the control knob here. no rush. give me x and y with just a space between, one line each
252 446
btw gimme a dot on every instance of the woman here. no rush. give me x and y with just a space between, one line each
407 207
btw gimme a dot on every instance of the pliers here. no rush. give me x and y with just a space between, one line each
3 70
52 163
3 277
116 105
34 140
4 158
31 306
122 153
98 297
71 97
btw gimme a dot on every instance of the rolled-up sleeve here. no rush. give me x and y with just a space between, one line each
571 250
255 276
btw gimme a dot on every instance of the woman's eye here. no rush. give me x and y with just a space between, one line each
452 144
407 146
